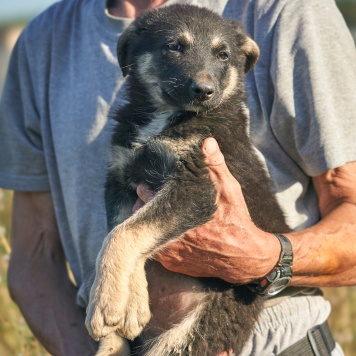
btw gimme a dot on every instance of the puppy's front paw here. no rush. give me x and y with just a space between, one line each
124 312
136 315
113 345
105 304
95 320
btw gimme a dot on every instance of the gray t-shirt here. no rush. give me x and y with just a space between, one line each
64 77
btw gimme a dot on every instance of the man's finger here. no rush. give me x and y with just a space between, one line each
216 161
212 153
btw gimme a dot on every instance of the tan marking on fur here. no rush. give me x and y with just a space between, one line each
113 345
186 38
146 71
233 80
252 51
250 47
119 297
182 145
216 42
245 110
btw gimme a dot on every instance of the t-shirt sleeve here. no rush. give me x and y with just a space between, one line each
313 71
22 159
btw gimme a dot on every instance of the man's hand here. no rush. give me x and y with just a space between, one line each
229 246
232 248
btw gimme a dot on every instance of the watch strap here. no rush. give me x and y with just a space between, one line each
286 256
283 269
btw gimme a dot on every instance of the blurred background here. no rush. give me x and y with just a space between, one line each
15 337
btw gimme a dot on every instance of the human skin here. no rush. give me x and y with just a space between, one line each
131 8
38 279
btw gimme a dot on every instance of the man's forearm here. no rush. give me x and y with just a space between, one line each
38 278
46 299
326 252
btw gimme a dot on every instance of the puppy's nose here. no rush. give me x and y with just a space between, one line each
202 90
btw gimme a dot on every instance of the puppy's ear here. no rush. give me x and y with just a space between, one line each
123 52
250 48
247 45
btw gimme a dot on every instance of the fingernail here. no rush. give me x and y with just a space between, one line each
210 146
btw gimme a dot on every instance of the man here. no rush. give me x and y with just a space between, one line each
63 77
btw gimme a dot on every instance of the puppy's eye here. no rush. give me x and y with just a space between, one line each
174 47
223 56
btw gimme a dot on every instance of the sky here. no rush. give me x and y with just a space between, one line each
21 10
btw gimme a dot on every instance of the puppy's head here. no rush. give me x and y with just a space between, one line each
186 57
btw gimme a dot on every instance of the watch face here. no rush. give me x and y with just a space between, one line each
278 285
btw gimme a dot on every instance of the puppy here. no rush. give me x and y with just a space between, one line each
185 68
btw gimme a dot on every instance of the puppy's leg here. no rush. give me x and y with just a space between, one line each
120 282
111 290
137 308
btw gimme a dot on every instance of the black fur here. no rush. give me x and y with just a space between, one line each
177 170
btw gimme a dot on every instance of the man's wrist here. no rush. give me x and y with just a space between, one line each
280 276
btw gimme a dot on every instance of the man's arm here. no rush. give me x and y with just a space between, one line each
327 250
231 247
38 278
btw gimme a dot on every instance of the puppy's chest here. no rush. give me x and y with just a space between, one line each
153 154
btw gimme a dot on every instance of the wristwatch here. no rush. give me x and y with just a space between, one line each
281 275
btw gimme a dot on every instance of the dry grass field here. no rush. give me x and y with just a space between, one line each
16 338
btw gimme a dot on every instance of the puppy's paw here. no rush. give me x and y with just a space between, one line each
113 345
118 300
106 314
105 308
95 321
136 315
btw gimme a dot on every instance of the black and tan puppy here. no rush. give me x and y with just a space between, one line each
186 68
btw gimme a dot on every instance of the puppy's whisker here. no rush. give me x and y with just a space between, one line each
127 66
168 81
